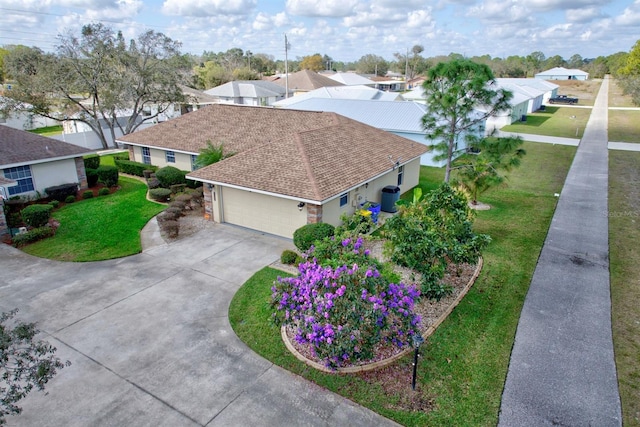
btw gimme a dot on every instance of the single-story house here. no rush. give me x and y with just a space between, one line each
402 118
561 73
351 79
290 167
305 81
388 85
29 163
341 92
248 92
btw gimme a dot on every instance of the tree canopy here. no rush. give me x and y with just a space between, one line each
454 92
97 79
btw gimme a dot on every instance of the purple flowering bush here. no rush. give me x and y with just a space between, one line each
342 312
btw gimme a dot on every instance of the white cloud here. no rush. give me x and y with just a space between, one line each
265 21
547 5
630 16
496 11
326 8
586 14
419 19
202 8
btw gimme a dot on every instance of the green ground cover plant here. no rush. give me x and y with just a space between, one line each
624 258
463 366
100 228
565 122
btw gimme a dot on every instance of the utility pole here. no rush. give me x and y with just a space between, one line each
406 66
286 67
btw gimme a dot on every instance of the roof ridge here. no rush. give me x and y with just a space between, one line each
307 166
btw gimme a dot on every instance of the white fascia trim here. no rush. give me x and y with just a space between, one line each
35 162
157 148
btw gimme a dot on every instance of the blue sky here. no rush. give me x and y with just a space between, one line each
344 29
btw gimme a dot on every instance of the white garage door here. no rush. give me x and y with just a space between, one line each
261 212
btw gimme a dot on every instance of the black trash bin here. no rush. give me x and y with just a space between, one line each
390 195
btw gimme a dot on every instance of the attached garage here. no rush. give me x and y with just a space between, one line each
262 212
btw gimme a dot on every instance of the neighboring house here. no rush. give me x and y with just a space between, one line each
561 73
248 92
397 117
415 82
23 120
341 92
290 168
548 89
305 81
535 95
351 79
388 85
36 162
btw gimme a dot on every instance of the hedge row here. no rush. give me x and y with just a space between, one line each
32 236
36 215
133 168
61 192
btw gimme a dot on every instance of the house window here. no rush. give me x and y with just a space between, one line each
146 155
344 199
400 175
194 162
170 156
21 174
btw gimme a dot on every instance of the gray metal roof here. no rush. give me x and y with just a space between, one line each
247 89
397 116
340 92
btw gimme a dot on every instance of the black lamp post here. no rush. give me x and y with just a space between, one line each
417 341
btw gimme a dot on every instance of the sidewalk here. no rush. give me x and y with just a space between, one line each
562 369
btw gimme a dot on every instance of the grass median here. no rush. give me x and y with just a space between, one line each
464 364
100 228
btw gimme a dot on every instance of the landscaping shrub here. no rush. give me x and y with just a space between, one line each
169 176
104 191
147 173
178 205
108 175
192 183
61 192
70 199
176 212
92 161
306 235
320 304
185 198
153 183
54 204
121 156
36 215
87 195
92 177
165 216
134 168
289 257
32 236
170 228
178 188
160 194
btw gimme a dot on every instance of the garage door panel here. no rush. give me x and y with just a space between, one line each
262 212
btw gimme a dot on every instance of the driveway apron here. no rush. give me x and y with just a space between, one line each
150 342
562 369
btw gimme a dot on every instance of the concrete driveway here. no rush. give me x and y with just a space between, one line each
150 342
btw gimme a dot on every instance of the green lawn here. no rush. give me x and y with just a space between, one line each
624 125
553 121
48 131
464 364
100 228
624 258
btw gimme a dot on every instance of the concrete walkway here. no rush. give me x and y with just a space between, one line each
150 342
562 369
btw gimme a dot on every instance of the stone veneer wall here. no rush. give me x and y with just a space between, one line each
208 203
82 173
314 214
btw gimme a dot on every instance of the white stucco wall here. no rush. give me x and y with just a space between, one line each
48 174
158 158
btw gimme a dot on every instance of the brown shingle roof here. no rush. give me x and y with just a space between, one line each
302 154
22 147
307 80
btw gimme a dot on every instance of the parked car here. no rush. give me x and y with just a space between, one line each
563 99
